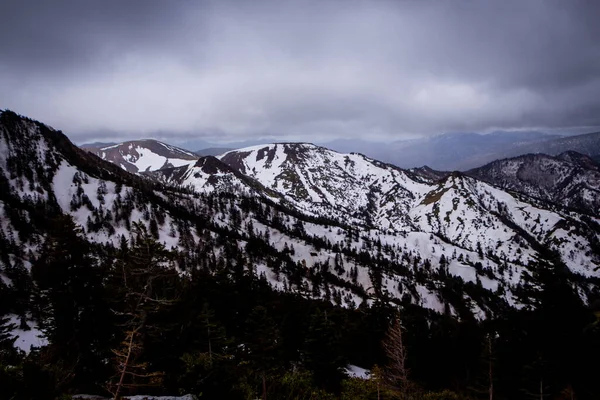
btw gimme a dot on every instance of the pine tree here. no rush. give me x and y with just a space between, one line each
322 351
7 340
73 315
484 386
262 345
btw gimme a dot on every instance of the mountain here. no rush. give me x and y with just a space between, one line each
587 144
95 145
319 181
429 173
203 145
143 155
446 152
430 217
312 249
571 178
208 175
323 197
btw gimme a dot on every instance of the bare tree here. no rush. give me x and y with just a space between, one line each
127 366
146 281
396 372
483 385
490 367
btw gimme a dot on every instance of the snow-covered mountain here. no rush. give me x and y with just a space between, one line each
455 215
319 181
341 227
143 155
571 179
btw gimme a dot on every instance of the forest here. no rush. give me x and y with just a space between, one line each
122 320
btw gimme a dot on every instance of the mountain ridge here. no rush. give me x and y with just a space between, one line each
571 178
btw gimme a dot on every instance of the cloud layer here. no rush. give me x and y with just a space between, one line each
301 69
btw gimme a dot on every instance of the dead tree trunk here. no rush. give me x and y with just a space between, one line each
491 370
396 372
125 365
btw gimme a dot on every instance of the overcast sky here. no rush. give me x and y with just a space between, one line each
236 70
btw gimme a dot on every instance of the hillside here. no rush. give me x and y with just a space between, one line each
587 144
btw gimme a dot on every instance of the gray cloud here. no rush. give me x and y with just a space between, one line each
301 69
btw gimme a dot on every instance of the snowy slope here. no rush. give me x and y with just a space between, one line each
323 182
208 175
468 221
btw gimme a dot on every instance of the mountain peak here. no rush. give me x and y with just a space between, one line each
144 155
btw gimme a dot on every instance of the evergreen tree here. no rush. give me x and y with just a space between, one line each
73 315
396 372
262 345
484 385
7 340
322 351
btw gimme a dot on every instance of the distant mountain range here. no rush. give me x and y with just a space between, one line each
464 151
571 177
213 151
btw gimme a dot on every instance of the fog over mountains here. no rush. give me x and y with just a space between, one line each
463 151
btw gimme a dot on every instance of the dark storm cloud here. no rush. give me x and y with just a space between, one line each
301 69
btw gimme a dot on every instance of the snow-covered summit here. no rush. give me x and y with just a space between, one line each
144 155
320 181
